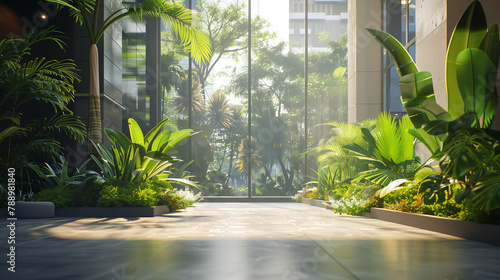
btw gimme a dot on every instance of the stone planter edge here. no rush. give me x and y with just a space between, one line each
102 212
486 233
314 202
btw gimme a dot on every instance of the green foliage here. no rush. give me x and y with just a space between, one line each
138 194
312 194
61 196
141 158
174 13
81 195
351 206
59 176
357 190
26 83
178 199
410 199
469 152
389 151
335 164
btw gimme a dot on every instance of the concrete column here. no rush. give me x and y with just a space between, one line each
364 66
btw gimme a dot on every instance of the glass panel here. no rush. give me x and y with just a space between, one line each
412 18
394 98
215 106
327 77
403 22
277 98
135 97
412 52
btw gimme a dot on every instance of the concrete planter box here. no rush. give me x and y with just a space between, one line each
104 212
469 230
314 202
34 209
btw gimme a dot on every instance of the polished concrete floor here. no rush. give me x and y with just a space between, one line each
241 241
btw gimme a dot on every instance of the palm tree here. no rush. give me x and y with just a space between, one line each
174 13
247 153
218 113
182 104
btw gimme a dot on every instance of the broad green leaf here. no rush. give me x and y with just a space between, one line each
462 194
136 134
436 127
432 143
394 185
490 44
417 95
476 76
469 33
176 138
402 59
148 139
118 138
423 173
486 193
161 140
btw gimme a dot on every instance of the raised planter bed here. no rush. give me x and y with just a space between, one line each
314 202
469 230
102 212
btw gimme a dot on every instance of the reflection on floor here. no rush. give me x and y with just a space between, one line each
242 241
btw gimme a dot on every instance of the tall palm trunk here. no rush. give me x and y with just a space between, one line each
95 129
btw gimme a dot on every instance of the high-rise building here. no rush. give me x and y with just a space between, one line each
326 19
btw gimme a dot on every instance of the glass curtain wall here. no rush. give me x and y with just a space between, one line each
248 104
399 21
135 98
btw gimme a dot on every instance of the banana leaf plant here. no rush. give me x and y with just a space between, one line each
142 157
461 136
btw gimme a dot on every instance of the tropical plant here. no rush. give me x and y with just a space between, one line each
87 12
340 164
142 158
461 138
27 139
389 151
60 175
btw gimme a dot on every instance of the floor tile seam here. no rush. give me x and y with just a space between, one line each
33 240
344 267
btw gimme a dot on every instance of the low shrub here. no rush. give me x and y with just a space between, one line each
407 199
178 199
131 195
351 206
61 196
312 194
358 190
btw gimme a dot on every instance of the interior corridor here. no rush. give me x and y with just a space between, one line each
242 241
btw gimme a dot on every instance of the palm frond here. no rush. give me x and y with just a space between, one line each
69 124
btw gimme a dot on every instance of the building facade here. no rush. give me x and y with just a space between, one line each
327 18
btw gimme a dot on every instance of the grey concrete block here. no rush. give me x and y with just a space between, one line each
34 209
